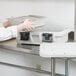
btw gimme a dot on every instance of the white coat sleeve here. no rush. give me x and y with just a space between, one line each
8 33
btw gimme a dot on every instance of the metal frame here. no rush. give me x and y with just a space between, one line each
53 67
67 67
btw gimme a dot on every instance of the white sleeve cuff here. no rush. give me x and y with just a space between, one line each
13 30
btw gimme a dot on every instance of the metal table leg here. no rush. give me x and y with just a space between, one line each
52 66
67 67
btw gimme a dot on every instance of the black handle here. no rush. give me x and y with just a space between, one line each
24 35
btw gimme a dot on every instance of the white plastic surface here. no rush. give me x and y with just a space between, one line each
58 49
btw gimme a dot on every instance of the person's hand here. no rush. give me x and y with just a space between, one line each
6 23
26 25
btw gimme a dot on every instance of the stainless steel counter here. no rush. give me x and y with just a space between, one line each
11 45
